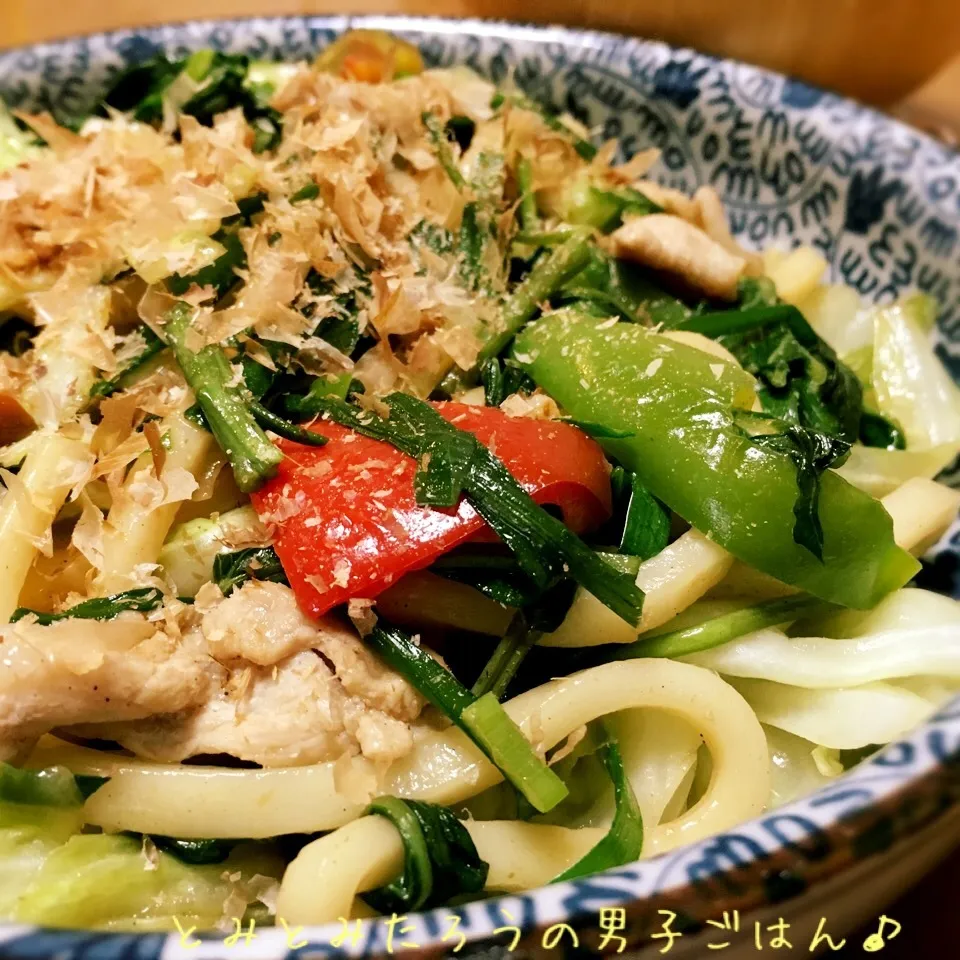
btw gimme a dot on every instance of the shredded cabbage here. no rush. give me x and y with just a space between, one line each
52 874
907 609
820 662
878 472
845 718
794 771
838 315
912 386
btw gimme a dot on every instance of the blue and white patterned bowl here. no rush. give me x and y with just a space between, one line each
794 165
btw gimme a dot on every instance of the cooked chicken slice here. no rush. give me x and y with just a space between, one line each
713 219
666 242
260 622
364 676
293 713
79 671
287 690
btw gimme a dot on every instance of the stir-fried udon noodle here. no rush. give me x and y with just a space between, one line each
407 499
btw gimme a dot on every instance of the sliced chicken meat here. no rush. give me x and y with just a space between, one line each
293 713
77 671
666 242
247 675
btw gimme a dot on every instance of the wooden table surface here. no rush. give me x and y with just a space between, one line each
901 54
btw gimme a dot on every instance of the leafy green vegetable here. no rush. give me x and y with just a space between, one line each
253 563
104 880
501 378
140 599
195 851
722 629
441 144
247 209
52 787
251 454
471 243
646 527
812 452
802 379
311 403
152 346
482 719
461 129
911 385
621 288
879 431
624 840
545 549
440 860
38 809
16 144
341 328
88 783
221 275
431 235
139 89
202 85
602 207
757 292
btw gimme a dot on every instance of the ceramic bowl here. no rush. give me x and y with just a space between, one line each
794 165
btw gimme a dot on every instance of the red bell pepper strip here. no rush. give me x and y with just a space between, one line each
347 522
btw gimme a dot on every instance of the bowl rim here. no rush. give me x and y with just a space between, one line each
905 804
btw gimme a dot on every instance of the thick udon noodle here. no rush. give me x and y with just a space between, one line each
662 712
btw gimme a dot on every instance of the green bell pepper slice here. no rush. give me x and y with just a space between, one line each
677 403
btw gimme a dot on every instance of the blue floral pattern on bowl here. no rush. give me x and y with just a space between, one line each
794 165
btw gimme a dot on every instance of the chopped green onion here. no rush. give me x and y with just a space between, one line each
624 840
547 276
153 346
440 860
545 549
723 629
725 322
503 742
438 137
483 720
542 238
284 428
646 528
308 192
503 664
253 457
527 209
